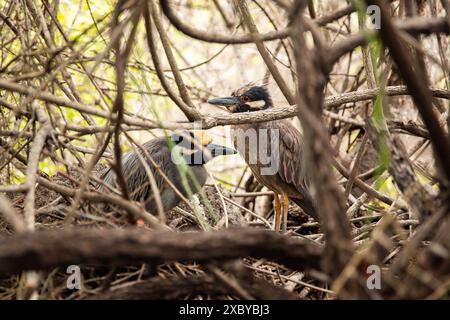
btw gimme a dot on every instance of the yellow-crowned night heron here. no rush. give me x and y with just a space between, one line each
164 156
277 141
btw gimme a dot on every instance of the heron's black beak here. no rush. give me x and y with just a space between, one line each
218 150
225 101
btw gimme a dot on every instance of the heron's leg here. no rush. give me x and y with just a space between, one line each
285 211
277 211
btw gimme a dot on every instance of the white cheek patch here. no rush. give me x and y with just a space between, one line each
182 151
258 104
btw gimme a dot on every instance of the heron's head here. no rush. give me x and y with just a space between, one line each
246 99
196 147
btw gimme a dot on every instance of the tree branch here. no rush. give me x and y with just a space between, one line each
53 248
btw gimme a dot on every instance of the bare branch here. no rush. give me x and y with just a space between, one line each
120 247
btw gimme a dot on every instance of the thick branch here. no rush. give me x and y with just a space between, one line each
179 288
210 121
326 193
214 37
48 249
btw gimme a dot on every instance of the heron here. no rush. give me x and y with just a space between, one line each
279 138
164 156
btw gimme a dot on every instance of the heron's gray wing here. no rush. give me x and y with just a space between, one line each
291 156
106 175
291 164
134 172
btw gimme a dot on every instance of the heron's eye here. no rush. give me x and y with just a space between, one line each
245 98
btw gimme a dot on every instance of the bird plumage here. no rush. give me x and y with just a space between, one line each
291 178
164 169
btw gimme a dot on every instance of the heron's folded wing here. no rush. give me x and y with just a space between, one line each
291 169
291 157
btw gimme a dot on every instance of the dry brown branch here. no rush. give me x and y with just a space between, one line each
133 209
250 24
11 215
32 167
328 197
210 121
48 249
412 26
178 288
185 102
